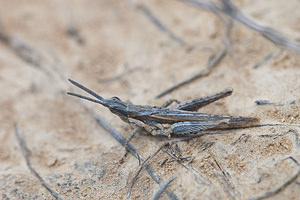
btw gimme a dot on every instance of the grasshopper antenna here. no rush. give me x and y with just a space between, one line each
100 101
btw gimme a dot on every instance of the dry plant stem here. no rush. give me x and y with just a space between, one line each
140 169
225 181
229 9
132 150
26 154
162 188
273 191
263 125
280 135
265 59
229 24
178 160
188 167
211 63
155 20
205 72
242 137
23 50
30 55
120 76
136 176
189 137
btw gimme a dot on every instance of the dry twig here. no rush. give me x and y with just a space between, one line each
205 72
276 189
265 59
136 176
162 188
26 154
283 134
225 180
155 20
140 169
23 50
120 76
229 9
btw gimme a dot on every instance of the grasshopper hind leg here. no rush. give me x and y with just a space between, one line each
195 104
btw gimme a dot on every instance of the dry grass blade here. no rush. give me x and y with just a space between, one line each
283 134
136 176
23 50
280 186
205 72
26 155
162 188
141 167
225 180
159 24
229 9
265 59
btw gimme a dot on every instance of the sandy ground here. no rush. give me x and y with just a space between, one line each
115 49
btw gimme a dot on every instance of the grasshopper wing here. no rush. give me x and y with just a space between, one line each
173 115
187 127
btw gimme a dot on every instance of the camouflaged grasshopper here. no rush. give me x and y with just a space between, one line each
181 120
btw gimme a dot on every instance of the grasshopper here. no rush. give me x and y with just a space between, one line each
181 120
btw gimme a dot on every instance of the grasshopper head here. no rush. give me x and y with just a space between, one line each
118 107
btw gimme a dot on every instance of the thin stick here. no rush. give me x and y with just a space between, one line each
120 76
229 24
136 176
26 154
141 167
177 160
225 181
23 50
159 24
279 187
294 160
189 137
229 9
132 150
263 125
280 135
205 72
162 188
241 137
265 59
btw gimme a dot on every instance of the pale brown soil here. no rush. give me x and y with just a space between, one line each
80 160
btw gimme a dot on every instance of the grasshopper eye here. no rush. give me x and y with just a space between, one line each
115 98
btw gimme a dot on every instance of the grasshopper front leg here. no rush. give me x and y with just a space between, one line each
127 140
152 127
